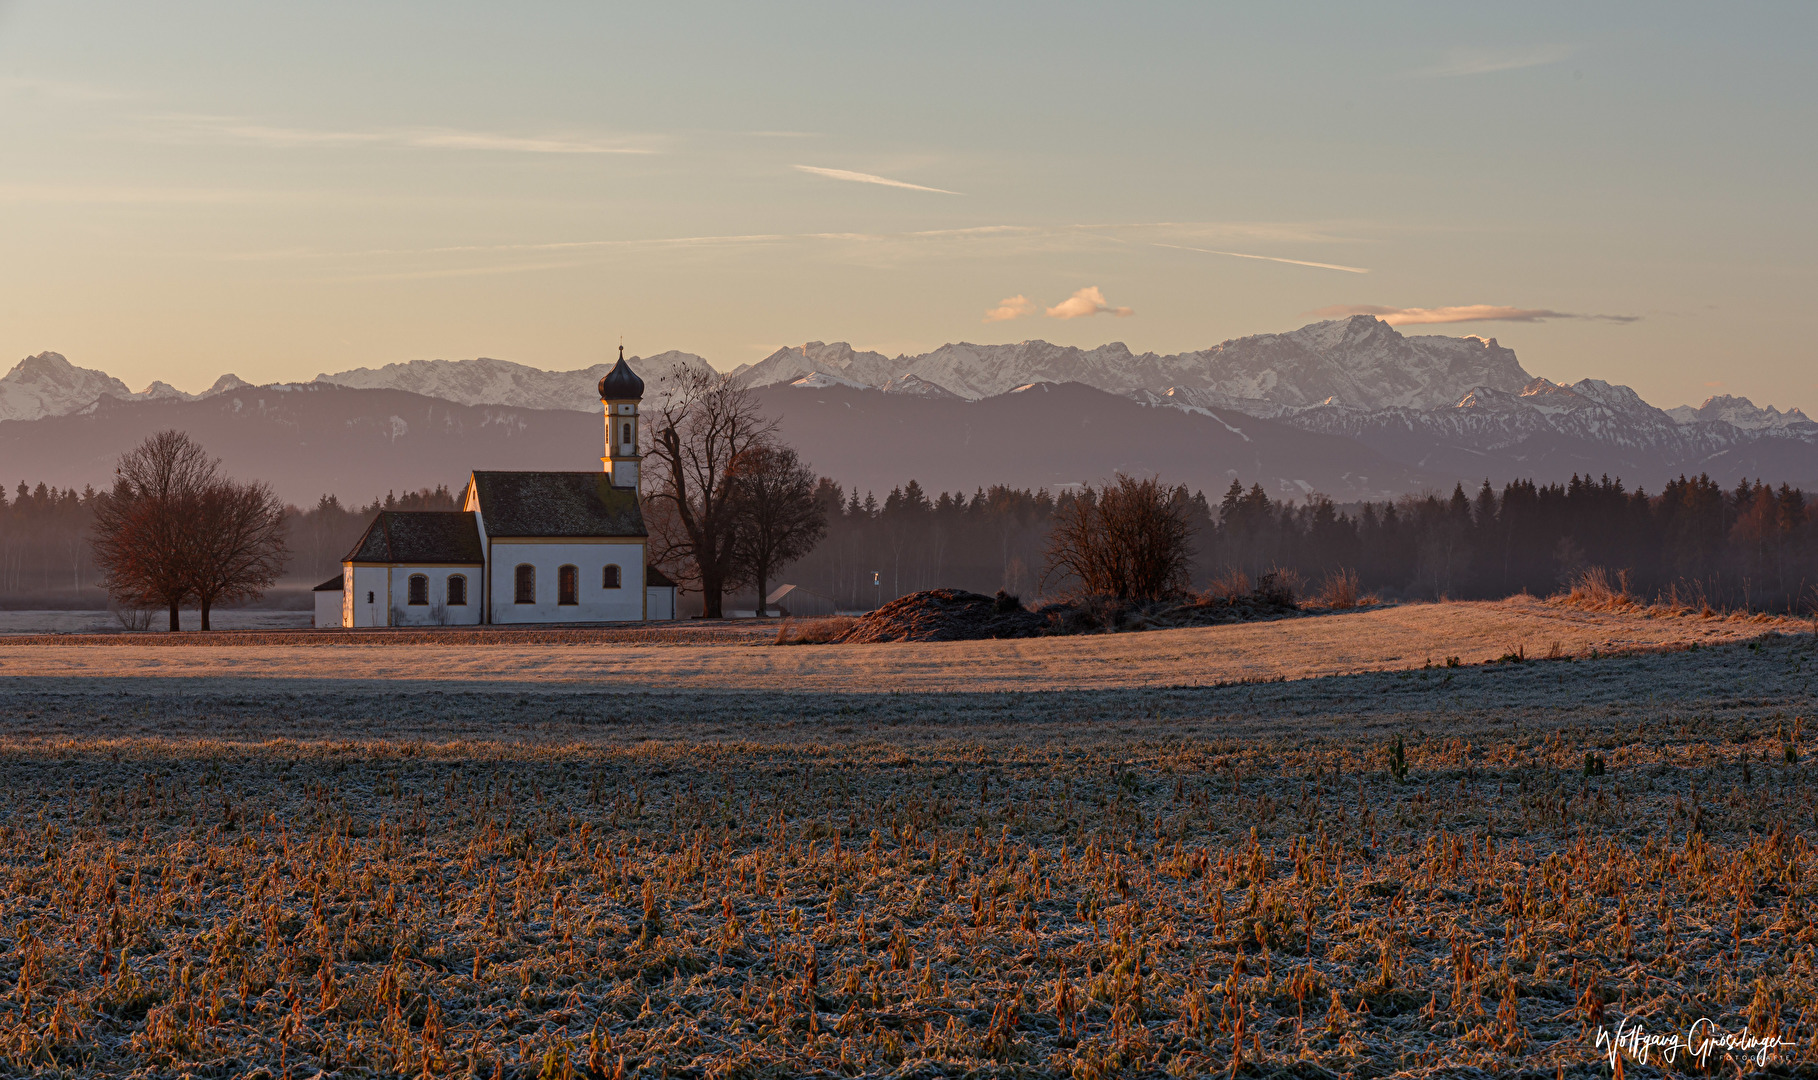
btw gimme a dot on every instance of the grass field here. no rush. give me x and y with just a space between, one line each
1075 857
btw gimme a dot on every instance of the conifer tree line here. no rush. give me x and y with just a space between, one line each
1752 544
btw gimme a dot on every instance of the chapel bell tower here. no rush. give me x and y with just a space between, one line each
620 392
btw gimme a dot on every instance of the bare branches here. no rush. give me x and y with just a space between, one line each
1131 539
174 530
780 518
239 547
702 421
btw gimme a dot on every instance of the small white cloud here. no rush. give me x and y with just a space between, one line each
1461 62
1012 307
1087 301
867 178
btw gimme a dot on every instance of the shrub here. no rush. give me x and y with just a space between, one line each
1339 590
1131 539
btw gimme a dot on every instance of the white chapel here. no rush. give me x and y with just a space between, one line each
525 547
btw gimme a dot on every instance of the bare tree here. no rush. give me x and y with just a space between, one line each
779 518
1131 539
239 548
174 529
702 422
143 528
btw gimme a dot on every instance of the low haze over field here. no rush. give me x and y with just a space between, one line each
277 191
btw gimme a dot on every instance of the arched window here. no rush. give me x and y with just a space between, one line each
611 578
625 433
419 590
568 585
457 590
527 584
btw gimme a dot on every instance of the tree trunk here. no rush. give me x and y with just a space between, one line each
175 625
204 606
763 585
712 606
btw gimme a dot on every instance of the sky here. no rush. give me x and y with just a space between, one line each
1620 190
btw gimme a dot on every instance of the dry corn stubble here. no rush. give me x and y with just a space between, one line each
1090 884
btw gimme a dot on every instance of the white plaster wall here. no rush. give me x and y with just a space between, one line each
363 582
436 612
328 609
597 604
662 601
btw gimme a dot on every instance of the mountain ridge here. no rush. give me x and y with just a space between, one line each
1463 407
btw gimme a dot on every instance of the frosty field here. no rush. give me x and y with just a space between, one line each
1173 853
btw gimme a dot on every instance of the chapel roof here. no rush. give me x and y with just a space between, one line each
420 537
621 383
578 504
653 576
333 584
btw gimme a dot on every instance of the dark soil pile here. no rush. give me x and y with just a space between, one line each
948 615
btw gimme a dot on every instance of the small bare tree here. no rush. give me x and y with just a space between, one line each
1131 539
143 529
780 520
174 529
239 547
702 422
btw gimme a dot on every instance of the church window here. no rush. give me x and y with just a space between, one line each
526 584
568 585
611 578
457 590
625 434
419 590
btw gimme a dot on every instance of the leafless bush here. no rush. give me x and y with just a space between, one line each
1280 587
1594 589
1130 539
1228 586
133 617
1339 590
814 631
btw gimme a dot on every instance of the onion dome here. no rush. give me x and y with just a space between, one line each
621 383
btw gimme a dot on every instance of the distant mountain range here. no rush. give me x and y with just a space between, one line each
1350 407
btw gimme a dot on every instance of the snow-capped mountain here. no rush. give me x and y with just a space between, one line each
486 381
1434 405
1739 412
49 385
1362 361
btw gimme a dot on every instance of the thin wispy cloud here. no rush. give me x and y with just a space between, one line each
1414 316
867 178
1269 258
1012 307
234 130
60 89
127 195
1459 63
1087 301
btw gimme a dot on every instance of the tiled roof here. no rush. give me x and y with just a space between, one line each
653 576
420 536
333 584
557 504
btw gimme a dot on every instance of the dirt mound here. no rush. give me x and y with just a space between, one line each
948 615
